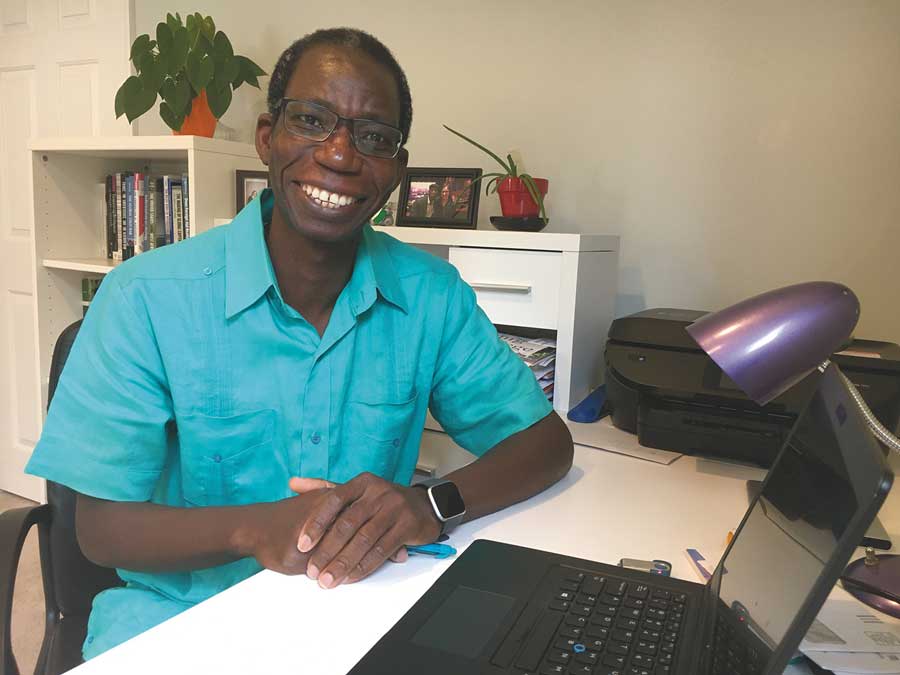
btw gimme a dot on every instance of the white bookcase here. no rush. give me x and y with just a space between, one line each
68 177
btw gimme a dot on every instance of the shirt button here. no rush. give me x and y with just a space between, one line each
315 438
217 458
207 271
396 442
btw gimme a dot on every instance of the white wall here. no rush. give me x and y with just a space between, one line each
734 146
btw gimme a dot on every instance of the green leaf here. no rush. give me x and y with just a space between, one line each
493 183
208 28
222 48
219 100
138 102
172 22
232 69
225 72
153 72
167 90
252 68
201 45
513 168
164 38
506 168
199 70
129 89
183 96
532 188
177 56
170 117
139 47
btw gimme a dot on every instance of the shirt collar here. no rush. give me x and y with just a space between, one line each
249 273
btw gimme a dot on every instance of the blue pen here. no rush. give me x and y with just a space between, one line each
439 551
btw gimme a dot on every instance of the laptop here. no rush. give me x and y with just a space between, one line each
506 609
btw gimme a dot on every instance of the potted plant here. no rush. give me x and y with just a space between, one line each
521 195
192 67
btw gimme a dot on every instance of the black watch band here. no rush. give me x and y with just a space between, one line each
446 502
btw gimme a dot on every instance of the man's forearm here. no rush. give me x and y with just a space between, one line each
519 467
154 538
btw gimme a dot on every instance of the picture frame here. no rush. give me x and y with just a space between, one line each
247 184
439 197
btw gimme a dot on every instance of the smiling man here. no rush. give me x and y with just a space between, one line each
257 393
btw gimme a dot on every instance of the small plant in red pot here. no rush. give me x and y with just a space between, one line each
521 195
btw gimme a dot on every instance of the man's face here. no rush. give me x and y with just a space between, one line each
432 192
353 86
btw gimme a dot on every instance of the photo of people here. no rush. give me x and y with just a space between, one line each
248 185
446 199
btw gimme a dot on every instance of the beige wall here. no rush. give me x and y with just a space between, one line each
734 146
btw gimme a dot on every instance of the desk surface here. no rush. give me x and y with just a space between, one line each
609 506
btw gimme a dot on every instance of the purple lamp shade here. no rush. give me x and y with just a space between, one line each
769 342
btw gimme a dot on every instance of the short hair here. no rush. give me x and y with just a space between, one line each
340 37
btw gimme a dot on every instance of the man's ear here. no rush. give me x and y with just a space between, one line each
265 127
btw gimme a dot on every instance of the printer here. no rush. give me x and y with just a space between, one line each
661 386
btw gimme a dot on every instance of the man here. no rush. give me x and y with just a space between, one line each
293 349
423 207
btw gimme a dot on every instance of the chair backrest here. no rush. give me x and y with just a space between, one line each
76 580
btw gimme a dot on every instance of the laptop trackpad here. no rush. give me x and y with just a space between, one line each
465 622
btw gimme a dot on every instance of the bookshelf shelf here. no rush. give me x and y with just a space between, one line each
93 265
68 176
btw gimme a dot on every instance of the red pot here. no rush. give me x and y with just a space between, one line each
200 121
515 199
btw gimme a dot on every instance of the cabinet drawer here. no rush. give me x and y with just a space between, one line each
519 288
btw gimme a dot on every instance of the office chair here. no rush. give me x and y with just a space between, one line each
70 580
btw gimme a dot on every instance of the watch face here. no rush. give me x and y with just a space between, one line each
448 500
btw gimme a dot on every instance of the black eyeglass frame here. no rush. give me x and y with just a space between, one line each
351 121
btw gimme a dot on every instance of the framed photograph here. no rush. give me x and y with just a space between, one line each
431 197
248 184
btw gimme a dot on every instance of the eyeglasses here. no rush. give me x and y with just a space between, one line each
316 122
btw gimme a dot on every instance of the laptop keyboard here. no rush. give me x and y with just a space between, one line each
601 625
730 657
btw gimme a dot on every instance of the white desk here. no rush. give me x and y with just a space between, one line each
277 624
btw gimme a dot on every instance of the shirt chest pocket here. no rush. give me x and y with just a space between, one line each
376 433
231 460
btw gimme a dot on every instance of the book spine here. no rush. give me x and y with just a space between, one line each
159 227
167 209
129 216
118 216
151 213
110 211
178 212
139 213
185 195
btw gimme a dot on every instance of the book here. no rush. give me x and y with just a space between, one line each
186 208
177 212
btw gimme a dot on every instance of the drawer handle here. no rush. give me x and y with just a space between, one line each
502 288
426 470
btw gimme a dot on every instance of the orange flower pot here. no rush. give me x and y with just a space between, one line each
200 121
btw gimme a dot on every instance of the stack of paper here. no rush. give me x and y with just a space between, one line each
850 637
539 354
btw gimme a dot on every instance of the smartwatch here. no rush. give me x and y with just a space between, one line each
446 502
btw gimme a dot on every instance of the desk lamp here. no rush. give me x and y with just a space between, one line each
768 343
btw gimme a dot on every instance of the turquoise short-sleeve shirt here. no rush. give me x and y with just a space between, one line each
192 384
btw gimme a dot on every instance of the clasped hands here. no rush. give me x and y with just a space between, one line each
344 532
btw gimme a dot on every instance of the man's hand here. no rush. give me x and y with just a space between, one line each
357 526
275 540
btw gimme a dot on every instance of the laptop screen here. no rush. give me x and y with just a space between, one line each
796 526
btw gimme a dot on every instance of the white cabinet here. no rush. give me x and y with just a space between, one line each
536 283
69 227
548 283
